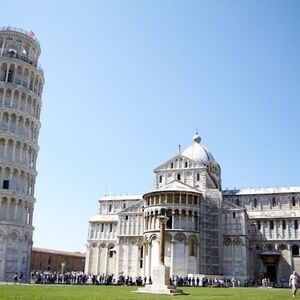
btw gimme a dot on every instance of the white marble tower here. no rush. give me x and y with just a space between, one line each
21 85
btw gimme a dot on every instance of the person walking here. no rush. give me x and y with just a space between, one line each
294 283
16 277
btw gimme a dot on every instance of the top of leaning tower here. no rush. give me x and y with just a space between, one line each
19 43
29 34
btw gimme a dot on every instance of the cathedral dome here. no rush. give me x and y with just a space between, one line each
197 151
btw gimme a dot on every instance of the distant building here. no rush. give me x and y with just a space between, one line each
246 233
21 86
56 260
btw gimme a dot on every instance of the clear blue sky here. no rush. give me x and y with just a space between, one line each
127 81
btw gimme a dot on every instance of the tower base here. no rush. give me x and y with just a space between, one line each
160 289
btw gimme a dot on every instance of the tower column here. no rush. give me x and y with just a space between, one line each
117 265
30 216
7 71
172 257
173 219
149 259
16 209
5 148
13 150
11 99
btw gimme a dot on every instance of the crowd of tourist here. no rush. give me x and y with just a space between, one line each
59 278
110 279
212 282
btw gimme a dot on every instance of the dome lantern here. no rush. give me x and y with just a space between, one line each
197 138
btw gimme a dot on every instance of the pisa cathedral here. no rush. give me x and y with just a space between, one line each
21 85
242 233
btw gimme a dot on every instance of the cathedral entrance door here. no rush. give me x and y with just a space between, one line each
271 270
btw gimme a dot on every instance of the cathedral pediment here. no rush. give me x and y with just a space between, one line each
176 185
166 165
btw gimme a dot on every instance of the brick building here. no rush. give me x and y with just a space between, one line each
56 260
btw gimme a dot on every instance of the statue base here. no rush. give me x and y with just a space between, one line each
161 283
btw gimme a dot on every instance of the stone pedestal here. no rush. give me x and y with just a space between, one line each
161 283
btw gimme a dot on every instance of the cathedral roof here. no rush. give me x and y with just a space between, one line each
197 151
257 191
58 252
104 218
121 197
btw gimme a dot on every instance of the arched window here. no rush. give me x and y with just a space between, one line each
109 207
195 200
293 201
283 224
273 201
111 251
255 202
237 202
196 221
124 205
169 222
172 165
258 225
141 256
178 176
198 177
10 76
193 248
186 164
295 250
160 178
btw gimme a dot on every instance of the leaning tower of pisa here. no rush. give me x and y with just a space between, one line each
21 85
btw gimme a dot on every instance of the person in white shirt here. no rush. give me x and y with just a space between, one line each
294 282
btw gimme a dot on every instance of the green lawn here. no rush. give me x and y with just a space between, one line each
50 292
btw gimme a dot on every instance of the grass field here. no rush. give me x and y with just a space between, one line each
50 292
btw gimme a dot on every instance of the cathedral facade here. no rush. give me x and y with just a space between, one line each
246 233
